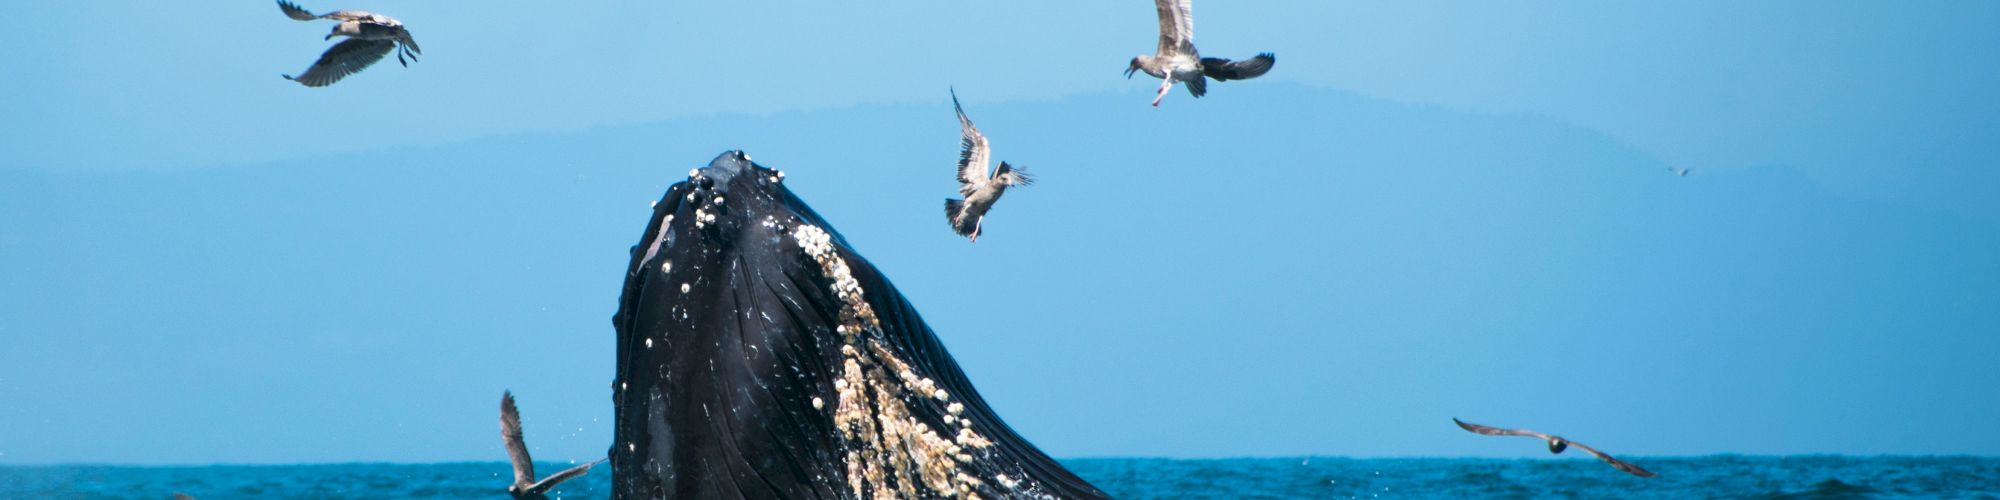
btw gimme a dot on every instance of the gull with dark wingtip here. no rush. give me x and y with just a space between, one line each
1176 60
1556 445
525 487
980 191
369 37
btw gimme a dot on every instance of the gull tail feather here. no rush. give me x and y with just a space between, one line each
954 212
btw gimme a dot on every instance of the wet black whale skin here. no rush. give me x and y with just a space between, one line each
720 405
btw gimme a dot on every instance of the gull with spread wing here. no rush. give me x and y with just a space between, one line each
369 37
525 487
1176 60
980 191
1556 445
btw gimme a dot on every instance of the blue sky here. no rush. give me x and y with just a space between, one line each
1429 209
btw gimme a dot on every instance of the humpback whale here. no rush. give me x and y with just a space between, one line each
760 356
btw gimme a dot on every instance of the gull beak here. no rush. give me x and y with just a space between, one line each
1129 71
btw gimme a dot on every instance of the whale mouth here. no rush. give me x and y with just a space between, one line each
760 356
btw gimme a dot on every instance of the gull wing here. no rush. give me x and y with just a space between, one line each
345 58
1176 27
1620 464
362 16
517 448
1496 431
294 11
1225 70
550 482
974 151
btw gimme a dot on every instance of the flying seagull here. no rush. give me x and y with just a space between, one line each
524 486
1556 445
1177 61
369 37
979 190
1683 172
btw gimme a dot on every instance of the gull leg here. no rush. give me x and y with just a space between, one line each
976 225
1165 84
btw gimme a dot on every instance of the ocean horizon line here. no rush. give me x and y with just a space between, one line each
1385 458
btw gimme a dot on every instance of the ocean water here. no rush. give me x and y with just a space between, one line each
1253 478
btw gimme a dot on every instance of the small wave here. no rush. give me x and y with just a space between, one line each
1828 489
1483 477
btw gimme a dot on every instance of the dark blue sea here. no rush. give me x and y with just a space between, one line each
1313 477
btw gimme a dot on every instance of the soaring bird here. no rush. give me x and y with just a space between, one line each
979 190
1683 172
525 487
369 37
1177 61
1556 445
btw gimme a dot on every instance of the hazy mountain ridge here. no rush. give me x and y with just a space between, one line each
1343 245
